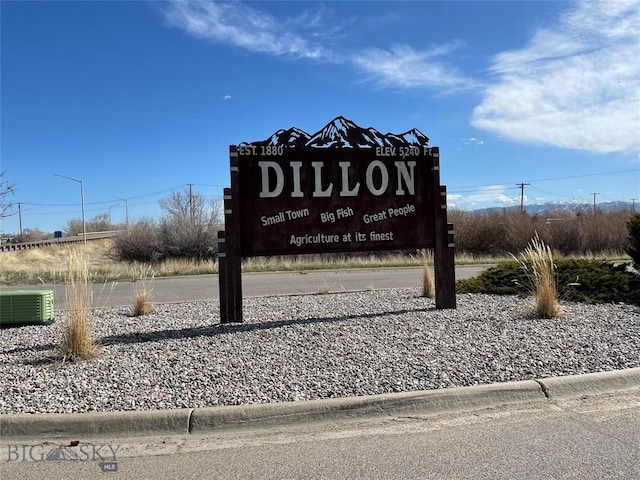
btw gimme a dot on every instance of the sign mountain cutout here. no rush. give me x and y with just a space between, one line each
343 133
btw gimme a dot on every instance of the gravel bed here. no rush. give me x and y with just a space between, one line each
293 348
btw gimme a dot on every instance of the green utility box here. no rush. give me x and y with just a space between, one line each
26 306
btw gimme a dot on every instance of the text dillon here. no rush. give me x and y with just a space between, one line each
405 179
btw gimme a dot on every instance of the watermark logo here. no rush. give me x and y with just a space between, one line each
108 467
104 455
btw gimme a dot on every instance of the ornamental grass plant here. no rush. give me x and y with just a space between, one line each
77 340
142 300
142 303
537 262
426 260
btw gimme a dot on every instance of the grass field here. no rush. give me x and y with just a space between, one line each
49 264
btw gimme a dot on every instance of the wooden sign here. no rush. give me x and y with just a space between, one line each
342 189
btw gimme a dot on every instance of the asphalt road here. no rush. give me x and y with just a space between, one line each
593 438
205 287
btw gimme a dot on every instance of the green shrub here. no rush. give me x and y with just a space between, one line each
598 282
633 243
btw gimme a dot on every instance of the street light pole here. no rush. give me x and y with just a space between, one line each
84 224
110 207
126 209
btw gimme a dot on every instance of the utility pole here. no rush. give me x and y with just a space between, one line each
190 202
594 202
633 204
522 185
20 218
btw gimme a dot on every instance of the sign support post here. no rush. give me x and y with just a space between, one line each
229 256
444 258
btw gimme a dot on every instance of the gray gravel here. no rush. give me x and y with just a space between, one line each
294 348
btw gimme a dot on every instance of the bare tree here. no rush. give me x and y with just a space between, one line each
6 189
189 227
99 223
74 226
216 208
186 206
34 234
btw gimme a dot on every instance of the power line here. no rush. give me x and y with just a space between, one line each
134 197
555 178
483 188
101 202
586 175
548 192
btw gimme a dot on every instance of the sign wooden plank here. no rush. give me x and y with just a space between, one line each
310 201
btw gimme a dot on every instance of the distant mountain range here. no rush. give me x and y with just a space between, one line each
343 133
565 207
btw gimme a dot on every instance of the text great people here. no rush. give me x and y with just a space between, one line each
388 213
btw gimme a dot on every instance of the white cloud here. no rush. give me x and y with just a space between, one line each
308 36
471 141
239 25
405 67
227 97
574 86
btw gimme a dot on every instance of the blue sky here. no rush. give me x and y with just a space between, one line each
137 99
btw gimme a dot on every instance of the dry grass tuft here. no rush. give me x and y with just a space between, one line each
426 260
143 281
142 303
324 289
77 340
537 262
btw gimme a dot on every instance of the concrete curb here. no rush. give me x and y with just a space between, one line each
574 386
98 424
421 402
215 419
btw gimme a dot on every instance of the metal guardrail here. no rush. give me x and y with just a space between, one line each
12 247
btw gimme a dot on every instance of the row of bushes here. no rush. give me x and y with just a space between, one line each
476 234
149 240
494 234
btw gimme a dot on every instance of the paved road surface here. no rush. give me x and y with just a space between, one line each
205 287
594 438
